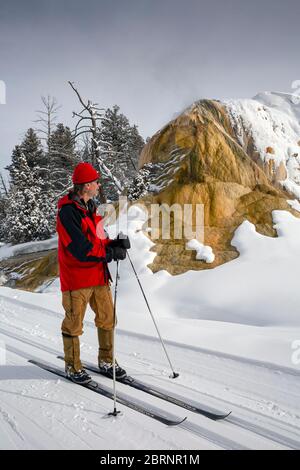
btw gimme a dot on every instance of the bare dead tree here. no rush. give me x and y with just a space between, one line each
47 119
88 123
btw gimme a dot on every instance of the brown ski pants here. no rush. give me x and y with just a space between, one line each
75 303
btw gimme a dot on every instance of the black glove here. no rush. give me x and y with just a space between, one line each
115 253
119 253
109 254
121 241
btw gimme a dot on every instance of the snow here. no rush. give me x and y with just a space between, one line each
273 120
2 354
294 204
204 252
233 334
8 250
3 279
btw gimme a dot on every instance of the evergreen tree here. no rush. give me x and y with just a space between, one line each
32 150
140 185
28 211
136 144
40 177
2 214
62 159
147 180
142 182
120 145
15 163
3 198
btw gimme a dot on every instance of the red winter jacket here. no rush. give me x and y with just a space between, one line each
81 244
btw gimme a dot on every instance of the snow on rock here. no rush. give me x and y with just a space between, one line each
52 285
294 204
273 121
204 252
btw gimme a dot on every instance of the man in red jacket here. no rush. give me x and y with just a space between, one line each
83 253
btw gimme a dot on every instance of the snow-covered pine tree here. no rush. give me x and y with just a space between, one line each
136 144
113 148
3 186
62 159
32 150
120 145
141 183
3 197
15 163
28 211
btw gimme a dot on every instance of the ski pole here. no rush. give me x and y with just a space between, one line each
115 412
175 374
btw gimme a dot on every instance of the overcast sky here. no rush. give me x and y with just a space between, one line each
151 57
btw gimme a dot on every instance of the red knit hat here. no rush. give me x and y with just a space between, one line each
84 173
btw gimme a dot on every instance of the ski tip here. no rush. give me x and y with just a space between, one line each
220 417
32 361
176 423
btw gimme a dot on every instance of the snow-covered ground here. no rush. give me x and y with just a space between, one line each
6 251
233 334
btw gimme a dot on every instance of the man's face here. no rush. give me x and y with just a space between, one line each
92 189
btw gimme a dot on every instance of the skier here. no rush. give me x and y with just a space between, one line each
83 253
